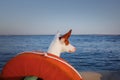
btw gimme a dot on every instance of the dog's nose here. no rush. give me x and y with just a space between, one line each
73 50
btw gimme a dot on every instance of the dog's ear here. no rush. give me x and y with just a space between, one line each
67 35
64 38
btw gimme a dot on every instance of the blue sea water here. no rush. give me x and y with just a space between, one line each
94 52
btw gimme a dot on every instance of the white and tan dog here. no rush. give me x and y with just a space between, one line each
61 44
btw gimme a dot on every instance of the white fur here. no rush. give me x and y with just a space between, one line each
58 46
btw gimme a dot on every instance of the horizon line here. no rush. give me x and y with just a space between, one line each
52 34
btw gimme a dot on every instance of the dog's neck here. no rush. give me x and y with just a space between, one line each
55 47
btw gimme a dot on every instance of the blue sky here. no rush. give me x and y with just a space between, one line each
25 17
